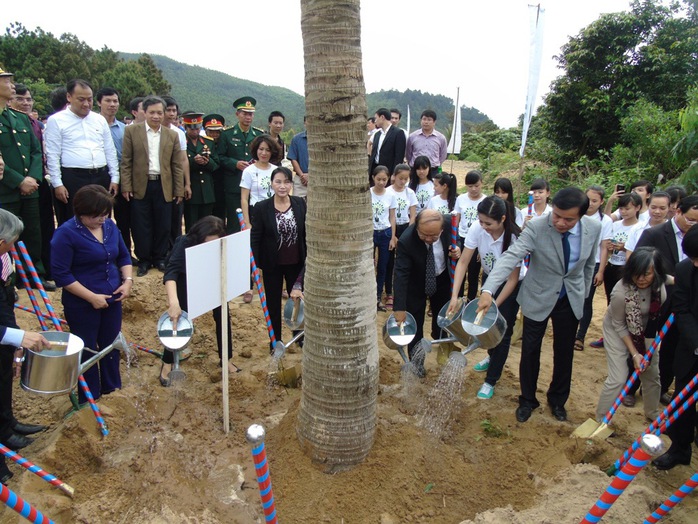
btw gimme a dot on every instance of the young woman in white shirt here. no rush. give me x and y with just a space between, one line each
421 182
405 213
255 184
504 190
466 207
491 236
383 206
445 193
613 259
541 195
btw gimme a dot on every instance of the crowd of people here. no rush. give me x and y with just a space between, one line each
64 180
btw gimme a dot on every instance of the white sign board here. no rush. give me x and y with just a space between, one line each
204 272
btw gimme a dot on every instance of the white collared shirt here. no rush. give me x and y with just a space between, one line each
84 143
381 138
153 149
678 234
439 256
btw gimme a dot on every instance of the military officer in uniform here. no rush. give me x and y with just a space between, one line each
24 166
213 125
203 162
234 156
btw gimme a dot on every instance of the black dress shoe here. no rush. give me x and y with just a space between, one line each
27 429
672 458
523 413
142 270
5 473
16 441
161 266
559 412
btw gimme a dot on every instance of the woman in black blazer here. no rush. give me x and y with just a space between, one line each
278 243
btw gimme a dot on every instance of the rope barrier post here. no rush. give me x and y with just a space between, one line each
672 501
16 503
16 457
255 436
651 447
95 409
25 281
260 287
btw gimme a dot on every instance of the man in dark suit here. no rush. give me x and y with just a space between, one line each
388 143
12 339
563 249
151 187
667 239
421 271
685 306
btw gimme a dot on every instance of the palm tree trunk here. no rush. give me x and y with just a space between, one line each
337 416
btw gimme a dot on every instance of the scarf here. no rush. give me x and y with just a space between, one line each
633 316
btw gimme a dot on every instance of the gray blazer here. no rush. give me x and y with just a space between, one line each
543 281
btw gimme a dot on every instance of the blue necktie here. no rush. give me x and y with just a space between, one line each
566 255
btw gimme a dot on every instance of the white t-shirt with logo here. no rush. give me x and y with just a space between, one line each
424 193
489 249
258 181
619 234
440 204
404 200
467 209
381 206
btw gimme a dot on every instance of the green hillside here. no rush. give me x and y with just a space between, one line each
208 91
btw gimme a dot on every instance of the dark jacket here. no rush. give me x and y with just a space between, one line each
264 238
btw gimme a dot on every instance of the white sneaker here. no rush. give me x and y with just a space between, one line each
486 391
483 364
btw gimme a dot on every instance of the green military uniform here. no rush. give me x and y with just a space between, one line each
21 152
234 146
202 193
214 125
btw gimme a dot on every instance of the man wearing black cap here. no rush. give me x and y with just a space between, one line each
203 161
234 155
213 125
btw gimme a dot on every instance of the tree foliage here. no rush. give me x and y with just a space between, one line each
42 62
648 52
686 149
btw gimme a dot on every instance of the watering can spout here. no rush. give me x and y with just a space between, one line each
119 343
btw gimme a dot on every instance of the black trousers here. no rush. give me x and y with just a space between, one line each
282 277
682 431
48 226
74 179
417 305
564 330
122 216
151 219
7 318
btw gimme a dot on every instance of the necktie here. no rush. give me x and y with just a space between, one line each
566 255
6 270
430 277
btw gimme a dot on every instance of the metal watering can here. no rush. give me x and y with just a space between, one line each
397 336
56 369
175 339
465 328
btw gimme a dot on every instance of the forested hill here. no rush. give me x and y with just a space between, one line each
208 91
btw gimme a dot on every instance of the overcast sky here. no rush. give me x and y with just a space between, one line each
429 45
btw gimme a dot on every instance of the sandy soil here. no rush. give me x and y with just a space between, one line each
167 460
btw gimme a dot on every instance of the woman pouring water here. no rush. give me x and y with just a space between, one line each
491 236
175 279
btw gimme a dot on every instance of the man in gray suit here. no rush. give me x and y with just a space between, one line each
563 248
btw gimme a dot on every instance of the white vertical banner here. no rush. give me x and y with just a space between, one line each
536 22
456 135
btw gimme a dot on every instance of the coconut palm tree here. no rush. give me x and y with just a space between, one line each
337 416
